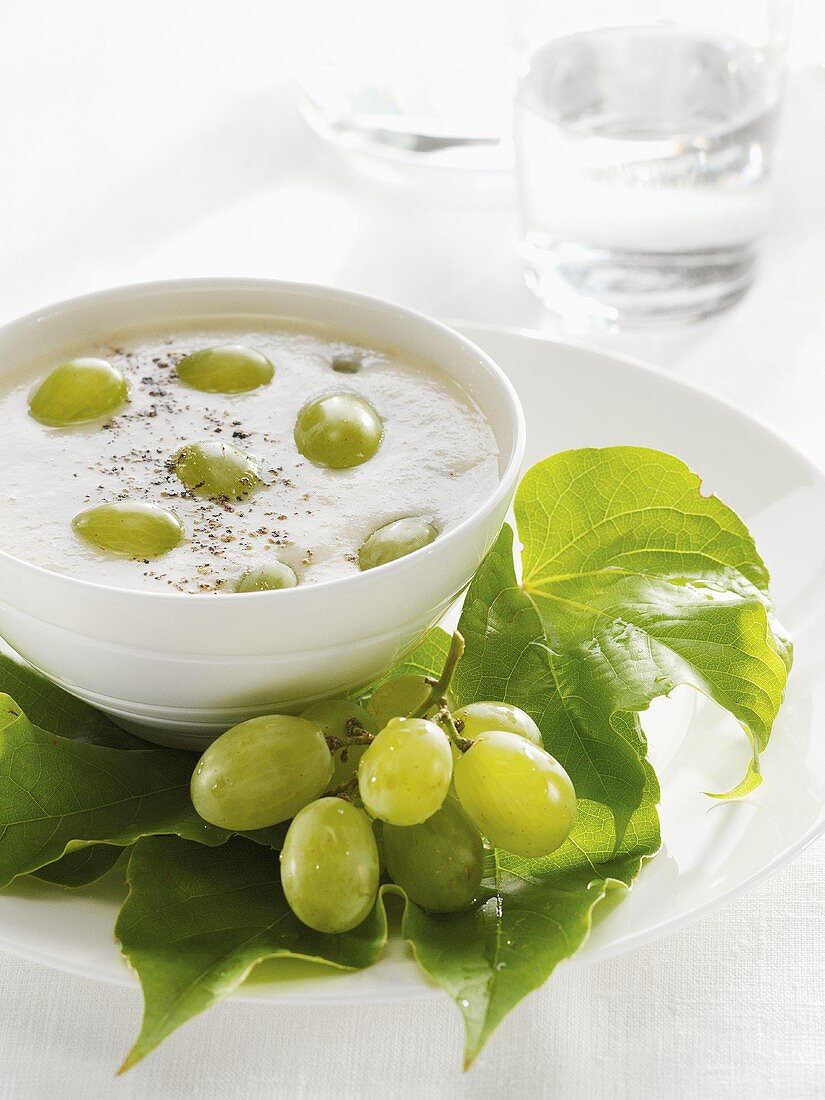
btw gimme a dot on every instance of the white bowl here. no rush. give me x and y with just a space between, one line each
179 669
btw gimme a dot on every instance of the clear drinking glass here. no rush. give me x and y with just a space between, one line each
645 137
423 83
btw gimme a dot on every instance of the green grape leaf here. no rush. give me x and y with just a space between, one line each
507 657
535 912
57 794
198 920
633 582
56 711
642 584
80 866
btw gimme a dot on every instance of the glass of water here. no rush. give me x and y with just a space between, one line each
645 138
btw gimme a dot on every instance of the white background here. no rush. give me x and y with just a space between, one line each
158 139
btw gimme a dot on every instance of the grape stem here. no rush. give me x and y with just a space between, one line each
437 695
444 718
355 735
336 743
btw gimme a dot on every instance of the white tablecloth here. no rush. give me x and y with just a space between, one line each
155 140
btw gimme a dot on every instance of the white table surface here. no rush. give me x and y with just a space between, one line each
158 140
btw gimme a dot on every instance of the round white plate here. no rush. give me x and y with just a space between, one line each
575 397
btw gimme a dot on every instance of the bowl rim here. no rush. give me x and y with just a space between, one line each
294 595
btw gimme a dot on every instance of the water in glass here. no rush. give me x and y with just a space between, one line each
644 158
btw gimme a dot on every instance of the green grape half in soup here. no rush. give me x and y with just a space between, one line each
78 392
338 430
348 362
216 470
261 772
330 866
230 368
341 718
395 540
405 774
438 863
129 529
267 578
519 796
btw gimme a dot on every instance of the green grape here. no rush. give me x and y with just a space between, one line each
405 774
395 540
332 717
438 863
398 697
267 578
78 392
517 794
216 470
329 865
261 772
479 718
339 430
131 529
231 368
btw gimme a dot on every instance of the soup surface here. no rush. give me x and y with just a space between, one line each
437 459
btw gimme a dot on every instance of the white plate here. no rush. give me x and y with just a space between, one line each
575 397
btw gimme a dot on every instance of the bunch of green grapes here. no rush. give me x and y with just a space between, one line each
406 786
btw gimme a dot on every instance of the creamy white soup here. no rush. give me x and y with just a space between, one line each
436 462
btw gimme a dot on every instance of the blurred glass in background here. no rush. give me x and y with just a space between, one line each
645 136
429 82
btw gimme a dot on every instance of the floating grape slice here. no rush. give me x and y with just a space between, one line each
78 392
133 530
261 772
231 368
438 863
395 540
216 470
339 430
267 578
477 718
349 363
330 866
405 774
518 795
